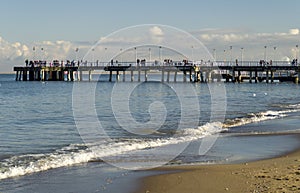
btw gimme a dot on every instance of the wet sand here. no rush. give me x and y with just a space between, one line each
272 175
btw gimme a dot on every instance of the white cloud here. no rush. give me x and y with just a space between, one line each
119 40
156 31
15 53
59 42
156 34
25 48
19 53
252 43
226 37
16 45
49 43
294 31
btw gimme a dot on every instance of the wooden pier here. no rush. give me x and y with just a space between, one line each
217 71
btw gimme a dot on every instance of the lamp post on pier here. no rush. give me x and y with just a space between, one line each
242 55
121 57
105 60
42 54
93 57
136 56
149 54
76 54
274 57
33 53
160 62
230 47
192 54
297 53
265 53
215 54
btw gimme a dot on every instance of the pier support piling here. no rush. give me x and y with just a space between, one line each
60 75
168 76
31 74
175 76
233 76
131 76
80 75
17 74
117 76
146 76
184 76
202 77
24 75
110 76
256 76
139 75
239 77
90 75
272 76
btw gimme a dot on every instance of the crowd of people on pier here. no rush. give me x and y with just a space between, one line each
73 63
143 62
54 63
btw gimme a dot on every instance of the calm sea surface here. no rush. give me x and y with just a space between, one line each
84 136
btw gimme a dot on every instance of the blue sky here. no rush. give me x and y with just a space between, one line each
33 21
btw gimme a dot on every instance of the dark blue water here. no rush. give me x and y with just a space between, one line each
46 138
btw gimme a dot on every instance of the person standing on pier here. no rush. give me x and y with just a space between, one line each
31 63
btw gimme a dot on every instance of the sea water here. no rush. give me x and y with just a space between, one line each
45 148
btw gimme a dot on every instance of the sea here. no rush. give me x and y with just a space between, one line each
101 136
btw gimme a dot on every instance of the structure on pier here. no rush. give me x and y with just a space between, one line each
44 73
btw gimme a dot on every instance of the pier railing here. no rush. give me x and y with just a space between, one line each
158 63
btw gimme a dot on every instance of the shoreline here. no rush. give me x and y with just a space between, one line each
279 174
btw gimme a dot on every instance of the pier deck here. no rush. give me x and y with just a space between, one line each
191 72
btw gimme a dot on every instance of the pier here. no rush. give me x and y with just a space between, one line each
251 71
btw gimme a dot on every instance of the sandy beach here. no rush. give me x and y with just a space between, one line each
280 174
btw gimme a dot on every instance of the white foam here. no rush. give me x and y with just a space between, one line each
76 154
294 106
42 162
259 117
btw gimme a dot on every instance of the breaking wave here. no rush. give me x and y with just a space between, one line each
79 153
258 117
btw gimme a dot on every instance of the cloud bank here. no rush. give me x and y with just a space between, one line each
15 53
279 46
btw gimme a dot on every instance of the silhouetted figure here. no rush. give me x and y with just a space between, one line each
26 62
31 64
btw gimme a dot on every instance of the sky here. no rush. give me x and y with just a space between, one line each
61 26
